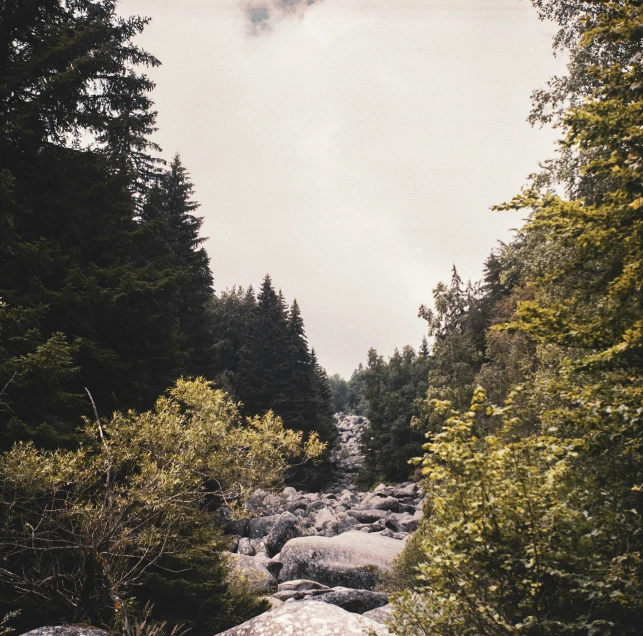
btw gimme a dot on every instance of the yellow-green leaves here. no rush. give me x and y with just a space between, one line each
135 495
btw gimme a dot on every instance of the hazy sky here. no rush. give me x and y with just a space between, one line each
351 150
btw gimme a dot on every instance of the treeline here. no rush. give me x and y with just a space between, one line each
106 286
392 393
532 463
260 355
106 301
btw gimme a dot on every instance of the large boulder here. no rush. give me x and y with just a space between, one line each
303 618
380 614
357 601
402 522
286 528
382 503
402 492
254 570
368 516
261 526
326 520
67 630
301 585
351 559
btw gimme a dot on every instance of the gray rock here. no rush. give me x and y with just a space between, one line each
325 520
346 522
403 492
383 503
261 526
357 601
286 528
258 546
378 526
368 516
348 498
351 559
402 522
237 526
303 618
273 504
301 585
254 570
245 547
315 505
289 491
67 630
296 504
272 565
380 614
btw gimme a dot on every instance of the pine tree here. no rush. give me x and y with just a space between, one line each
264 358
74 118
169 207
298 406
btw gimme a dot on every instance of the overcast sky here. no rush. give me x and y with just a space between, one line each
352 149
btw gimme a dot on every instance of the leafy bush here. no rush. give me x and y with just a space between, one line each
82 528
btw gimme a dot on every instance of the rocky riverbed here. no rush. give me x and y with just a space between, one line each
302 549
317 557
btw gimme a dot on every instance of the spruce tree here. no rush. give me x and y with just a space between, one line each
77 266
264 359
170 207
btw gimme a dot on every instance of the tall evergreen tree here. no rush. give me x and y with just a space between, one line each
86 291
265 356
169 208
390 392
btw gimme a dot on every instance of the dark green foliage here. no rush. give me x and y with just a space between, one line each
78 294
339 389
389 392
261 355
67 69
230 316
265 358
168 215
194 593
104 282
457 327
347 394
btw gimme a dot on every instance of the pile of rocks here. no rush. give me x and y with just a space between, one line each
331 547
346 458
317 557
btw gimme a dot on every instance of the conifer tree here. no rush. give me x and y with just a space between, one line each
74 118
298 407
171 208
264 359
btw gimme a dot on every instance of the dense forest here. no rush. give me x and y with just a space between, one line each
134 400
532 389
106 302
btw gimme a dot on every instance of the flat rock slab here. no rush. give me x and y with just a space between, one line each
67 630
306 618
356 601
351 559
